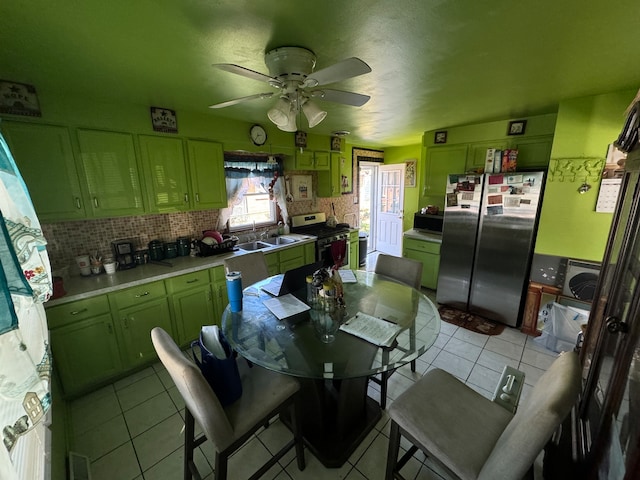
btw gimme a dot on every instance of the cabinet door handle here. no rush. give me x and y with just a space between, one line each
142 294
77 312
78 204
186 198
193 280
95 202
197 197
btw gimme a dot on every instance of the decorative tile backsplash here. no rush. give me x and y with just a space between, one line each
66 240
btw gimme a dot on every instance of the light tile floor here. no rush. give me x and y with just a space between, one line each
132 429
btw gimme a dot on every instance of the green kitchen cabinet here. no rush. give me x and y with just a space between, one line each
354 248
312 160
208 183
45 158
533 152
192 304
441 161
273 263
111 173
138 310
165 172
477 158
427 252
219 288
329 181
291 258
346 173
309 253
84 344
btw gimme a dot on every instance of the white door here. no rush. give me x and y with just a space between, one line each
390 209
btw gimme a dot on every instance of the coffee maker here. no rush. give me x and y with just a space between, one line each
123 251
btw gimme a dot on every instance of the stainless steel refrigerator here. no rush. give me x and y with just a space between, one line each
488 236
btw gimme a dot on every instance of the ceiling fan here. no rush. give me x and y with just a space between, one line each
291 71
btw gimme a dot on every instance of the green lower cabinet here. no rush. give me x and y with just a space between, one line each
219 291
192 309
136 323
273 263
85 353
309 253
429 254
354 248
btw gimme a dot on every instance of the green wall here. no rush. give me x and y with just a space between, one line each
569 225
411 194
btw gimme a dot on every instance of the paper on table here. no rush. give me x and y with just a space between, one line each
347 276
372 329
285 306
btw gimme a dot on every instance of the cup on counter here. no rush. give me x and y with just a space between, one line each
96 268
234 290
110 267
83 264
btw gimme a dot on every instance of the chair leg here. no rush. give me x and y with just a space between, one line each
413 366
189 432
392 453
297 433
220 467
384 379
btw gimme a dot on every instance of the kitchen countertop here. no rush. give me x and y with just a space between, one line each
426 236
78 287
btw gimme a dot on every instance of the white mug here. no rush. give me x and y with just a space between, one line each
83 264
110 267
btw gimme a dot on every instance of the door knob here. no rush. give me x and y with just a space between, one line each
615 325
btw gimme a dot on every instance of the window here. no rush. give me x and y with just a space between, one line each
254 207
253 191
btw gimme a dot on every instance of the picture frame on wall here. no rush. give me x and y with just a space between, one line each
164 120
410 173
19 99
440 137
301 139
517 127
336 144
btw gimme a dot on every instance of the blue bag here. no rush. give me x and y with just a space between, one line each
222 374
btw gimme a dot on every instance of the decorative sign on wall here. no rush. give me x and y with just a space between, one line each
302 187
19 99
410 173
164 120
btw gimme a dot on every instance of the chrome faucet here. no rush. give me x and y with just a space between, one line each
264 235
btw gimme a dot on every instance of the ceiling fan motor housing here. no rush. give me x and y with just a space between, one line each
290 63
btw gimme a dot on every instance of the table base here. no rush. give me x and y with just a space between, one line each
336 417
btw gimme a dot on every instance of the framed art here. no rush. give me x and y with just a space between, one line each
440 137
516 127
19 99
301 139
164 120
410 170
336 144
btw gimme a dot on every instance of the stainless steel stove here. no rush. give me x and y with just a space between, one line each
316 224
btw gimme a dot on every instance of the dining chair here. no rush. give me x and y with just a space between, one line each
409 272
253 267
264 395
472 437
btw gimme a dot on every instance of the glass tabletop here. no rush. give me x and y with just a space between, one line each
295 345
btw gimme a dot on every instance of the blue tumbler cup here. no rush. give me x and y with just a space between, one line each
234 290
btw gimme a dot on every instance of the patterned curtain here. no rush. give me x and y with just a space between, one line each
25 362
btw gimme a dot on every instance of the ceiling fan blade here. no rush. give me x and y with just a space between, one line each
246 72
241 100
338 96
349 68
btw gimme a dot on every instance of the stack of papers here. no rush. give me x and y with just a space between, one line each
285 306
348 276
372 329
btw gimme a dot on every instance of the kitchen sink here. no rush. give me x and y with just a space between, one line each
255 245
279 240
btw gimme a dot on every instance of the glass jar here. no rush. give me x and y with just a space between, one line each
312 292
329 296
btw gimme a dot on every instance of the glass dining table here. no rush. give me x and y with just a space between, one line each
333 366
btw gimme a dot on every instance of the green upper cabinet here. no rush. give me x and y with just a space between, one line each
311 160
441 161
206 165
165 171
329 181
45 158
478 154
346 173
111 173
534 152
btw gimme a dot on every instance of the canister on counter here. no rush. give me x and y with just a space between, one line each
156 250
170 250
184 246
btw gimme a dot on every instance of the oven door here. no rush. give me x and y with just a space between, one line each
326 254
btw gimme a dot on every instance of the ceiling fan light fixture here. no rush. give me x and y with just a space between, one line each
290 125
279 113
313 113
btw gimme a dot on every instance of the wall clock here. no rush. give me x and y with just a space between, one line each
258 135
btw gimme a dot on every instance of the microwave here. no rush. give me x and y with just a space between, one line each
428 222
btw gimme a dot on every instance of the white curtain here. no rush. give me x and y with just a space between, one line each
241 170
25 363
